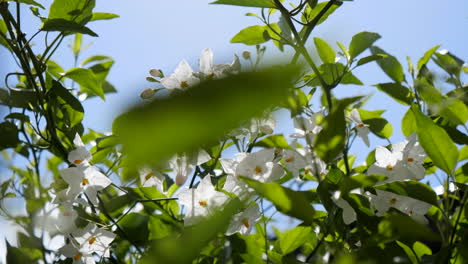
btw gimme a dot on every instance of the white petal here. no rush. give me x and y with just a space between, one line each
183 70
206 61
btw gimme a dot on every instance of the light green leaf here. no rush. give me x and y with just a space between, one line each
400 93
293 239
252 35
449 62
390 65
87 80
421 249
326 53
76 47
409 252
362 41
427 56
344 50
413 189
463 153
359 181
435 141
77 11
377 124
273 141
310 13
287 201
209 111
408 123
103 16
28 2
252 3
72 106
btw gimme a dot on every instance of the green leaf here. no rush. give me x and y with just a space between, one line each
331 139
408 123
344 50
273 141
401 227
435 141
4 30
160 226
449 62
390 65
76 11
359 181
326 53
62 25
9 138
377 124
427 56
135 226
95 58
421 249
413 189
87 80
362 41
400 93
370 58
18 116
103 16
463 153
19 98
409 252
76 47
293 239
252 3
330 73
28 2
287 201
16 255
310 13
209 111
252 35
72 105
193 239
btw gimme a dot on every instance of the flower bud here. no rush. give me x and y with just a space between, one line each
180 179
246 54
147 93
156 73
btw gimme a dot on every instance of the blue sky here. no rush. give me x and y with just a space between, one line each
159 34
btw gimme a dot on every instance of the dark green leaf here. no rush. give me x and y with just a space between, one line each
413 189
18 116
400 226
135 227
209 111
361 42
103 16
9 135
69 102
390 65
19 98
87 80
435 141
359 181
287 201
449 62
62 25
326 53
370 59
252 3
377 124
400 93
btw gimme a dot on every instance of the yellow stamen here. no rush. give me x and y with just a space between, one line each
410 159
258 170
77 162
77 256
393 201
184 84
84 181
289 159
360 125
92 240
202 203
149 175
245 222
67 213
389 167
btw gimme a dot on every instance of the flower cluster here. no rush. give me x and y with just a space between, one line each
83 179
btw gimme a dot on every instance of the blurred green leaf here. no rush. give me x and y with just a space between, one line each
413 189
9 135
103 16
87 80
135 228
193 239
362 41
293 239
287 201
390 65
435 141
16 255
326 53
400 93
209 111
377 124
331 139
401 227
330 73
448 62
252 3
62 25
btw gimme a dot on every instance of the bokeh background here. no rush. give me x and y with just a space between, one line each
159 34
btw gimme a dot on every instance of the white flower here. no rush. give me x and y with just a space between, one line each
65 221
260 166
414 208
208 70
79 156
181 78
413 157
89 181
264 125
387 163
184 164
244 221
149 177
94 240
294 161
79 257
236 186
361 128
305 127
202 201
